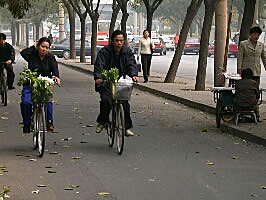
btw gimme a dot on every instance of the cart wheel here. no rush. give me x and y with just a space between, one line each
218 113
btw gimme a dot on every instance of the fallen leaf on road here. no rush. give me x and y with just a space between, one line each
2 131
151 180
165 103
33 159
263 187
2 166
51 171
75 186
235 157
204 130
41 185
68 188
75 158
19 155
86 134
67 139
253 195
48 167
35 192
218 148
83 126
83 142
65 146
103 193
4 118
54 152
89 125
210 163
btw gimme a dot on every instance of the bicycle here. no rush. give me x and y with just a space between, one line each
116 127
3 84
38 126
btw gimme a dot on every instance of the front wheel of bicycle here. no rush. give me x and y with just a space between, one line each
4 91
41 132
35 128
110 129
120 128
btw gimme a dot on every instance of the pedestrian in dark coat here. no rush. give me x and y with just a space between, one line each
115 55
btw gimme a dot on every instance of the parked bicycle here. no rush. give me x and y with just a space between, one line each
3 83
120 93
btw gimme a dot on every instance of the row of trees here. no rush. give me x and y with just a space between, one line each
172 10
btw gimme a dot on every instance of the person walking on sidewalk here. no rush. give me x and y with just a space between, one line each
114 55
7 56
39 59
145 51
250 53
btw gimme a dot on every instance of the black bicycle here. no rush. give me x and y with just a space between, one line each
38 126
116 126
3 83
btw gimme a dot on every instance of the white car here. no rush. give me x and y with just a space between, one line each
169 43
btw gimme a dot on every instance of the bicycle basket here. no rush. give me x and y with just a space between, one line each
121 91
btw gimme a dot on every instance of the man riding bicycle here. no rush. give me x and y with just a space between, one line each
114 55
7 56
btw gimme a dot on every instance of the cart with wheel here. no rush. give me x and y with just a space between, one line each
223 97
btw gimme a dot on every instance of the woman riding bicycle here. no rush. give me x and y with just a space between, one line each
45 64
120 56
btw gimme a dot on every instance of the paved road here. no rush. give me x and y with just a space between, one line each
170 158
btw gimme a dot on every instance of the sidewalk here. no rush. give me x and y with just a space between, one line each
182 91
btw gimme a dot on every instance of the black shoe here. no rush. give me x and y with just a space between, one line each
145 81
11 87
50 126
26 129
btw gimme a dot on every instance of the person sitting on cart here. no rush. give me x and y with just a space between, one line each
247 93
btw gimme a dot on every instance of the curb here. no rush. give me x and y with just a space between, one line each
202 107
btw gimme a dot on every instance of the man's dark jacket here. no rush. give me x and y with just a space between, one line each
105 60
246 94
7 52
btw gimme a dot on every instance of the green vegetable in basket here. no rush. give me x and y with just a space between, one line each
41 90
111 75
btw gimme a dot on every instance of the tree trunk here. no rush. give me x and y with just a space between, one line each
149 20
61 15
204 42
220 41
13 33
27 35
37 30
191 13
239 20
94 21
71 17
124 22
115 12
18 34
82 42
247 19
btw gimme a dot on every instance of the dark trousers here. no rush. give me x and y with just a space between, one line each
10 75
146 65
105 108
26 107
